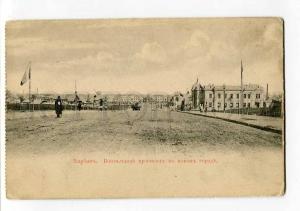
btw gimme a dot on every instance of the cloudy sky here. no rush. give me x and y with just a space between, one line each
143 55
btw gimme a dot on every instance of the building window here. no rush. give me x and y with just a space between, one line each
210 104
219 104
257 96
225 105
231 105
231 96
248 105
219 95
237 105
210 95
237 96
244 105
245 96
249 95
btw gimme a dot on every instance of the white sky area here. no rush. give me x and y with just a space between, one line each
144 55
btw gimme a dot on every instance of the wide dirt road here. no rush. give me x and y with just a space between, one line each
50 157
130 131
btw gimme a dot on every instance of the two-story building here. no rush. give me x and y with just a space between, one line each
224 97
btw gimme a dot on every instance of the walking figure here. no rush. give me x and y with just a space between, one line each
79 105
101 104
182 105
58 107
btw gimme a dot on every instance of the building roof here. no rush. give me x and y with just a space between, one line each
210 87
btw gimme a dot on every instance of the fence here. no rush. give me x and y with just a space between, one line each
274 112
25 107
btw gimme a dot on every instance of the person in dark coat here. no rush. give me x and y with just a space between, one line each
101 103
79 105
58 107
182 104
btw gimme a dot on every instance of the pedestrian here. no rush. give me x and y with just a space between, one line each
79 105
94 101
101 102
182 104
58 107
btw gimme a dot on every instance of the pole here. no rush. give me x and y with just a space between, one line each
224 101
75 101
29 93
23 97
267 95
38 97
242 87
75 87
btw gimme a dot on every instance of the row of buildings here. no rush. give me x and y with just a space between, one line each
200 97
91 99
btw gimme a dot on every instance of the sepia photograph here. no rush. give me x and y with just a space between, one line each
145 108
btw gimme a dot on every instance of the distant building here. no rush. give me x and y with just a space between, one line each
163 99
134 98
179 100
211 97
123 98
47 100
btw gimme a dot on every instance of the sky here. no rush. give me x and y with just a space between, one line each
143 55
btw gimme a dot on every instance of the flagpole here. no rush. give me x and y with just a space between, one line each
75 95
242 91
38 97
29 93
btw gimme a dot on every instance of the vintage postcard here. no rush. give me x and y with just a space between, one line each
131 108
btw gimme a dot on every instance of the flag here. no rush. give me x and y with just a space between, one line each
26 76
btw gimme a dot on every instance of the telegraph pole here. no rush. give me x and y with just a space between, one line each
29 87
242 87
75 101
267 94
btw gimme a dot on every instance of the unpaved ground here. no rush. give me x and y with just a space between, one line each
42 150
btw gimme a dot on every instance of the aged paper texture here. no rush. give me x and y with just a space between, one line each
130 108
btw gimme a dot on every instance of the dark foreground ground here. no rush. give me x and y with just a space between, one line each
41 153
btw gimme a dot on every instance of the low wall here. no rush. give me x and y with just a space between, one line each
25 107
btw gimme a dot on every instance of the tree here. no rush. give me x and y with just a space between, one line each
9 96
